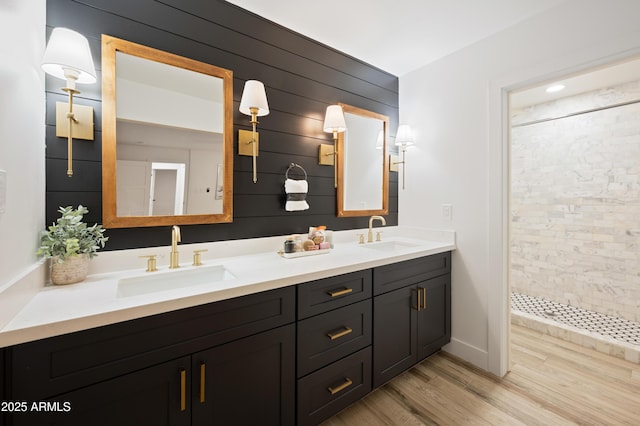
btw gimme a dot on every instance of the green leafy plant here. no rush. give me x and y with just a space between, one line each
70 236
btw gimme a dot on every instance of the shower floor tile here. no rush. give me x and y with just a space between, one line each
616 328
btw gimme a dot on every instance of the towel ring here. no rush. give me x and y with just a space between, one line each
291 166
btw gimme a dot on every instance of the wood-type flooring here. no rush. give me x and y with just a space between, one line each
551 382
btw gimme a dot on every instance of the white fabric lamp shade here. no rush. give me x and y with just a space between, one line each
254 96
404 137
334 119
68 54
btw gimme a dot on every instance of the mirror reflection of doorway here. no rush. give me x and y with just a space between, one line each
166 195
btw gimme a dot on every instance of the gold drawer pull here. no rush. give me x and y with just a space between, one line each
346 384
342 292
424 298
337 334
202 381
183 390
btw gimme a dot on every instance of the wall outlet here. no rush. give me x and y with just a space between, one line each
447 211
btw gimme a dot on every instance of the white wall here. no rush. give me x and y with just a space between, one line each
203 178
22 31
151 104
455 106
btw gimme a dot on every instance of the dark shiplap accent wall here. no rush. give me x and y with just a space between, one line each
302 77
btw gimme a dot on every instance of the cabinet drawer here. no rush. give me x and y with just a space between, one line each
48 367
401 274
330 336
329 390
316 297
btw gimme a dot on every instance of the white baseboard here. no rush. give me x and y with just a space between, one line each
469 353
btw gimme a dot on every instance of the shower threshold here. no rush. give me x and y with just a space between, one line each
604 333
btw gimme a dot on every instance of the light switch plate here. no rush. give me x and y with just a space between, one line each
447 211
3 191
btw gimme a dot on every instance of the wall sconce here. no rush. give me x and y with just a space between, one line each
404 139
253 103
68 57
333 123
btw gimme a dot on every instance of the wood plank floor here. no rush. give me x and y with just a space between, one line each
552 382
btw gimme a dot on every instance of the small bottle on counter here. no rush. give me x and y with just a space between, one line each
328 237
297 239
318 235
289 245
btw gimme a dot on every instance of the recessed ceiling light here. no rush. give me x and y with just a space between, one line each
555 88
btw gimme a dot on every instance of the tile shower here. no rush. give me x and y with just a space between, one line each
575 219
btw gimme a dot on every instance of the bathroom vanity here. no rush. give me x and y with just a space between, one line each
293 354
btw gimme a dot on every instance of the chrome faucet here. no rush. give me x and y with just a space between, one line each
371 219
174 260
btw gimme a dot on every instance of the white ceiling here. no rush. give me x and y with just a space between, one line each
598 78
397 36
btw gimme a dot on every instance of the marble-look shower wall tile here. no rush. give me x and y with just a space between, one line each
627 92
575 202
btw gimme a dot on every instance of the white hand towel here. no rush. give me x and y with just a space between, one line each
296 191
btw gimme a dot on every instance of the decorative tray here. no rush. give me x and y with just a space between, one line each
303 253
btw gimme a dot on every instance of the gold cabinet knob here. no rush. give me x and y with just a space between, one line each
197 259
151 262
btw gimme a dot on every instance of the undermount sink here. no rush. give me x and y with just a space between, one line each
152 282
390 245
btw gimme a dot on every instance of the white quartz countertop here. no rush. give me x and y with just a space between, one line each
55 310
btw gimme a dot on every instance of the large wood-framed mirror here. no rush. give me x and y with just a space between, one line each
167 138
363 164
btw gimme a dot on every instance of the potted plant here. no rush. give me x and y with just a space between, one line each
70 244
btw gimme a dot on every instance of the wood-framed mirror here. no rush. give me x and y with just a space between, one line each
167 138
363 164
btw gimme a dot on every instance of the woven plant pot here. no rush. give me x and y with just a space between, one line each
72 270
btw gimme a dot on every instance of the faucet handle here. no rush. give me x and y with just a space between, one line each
378 236
197 260
360 238
151 262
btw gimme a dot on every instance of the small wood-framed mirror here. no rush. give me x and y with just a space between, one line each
363 164
167 138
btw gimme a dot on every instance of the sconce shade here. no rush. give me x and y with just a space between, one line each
334 119
68 54
404 137
254 96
